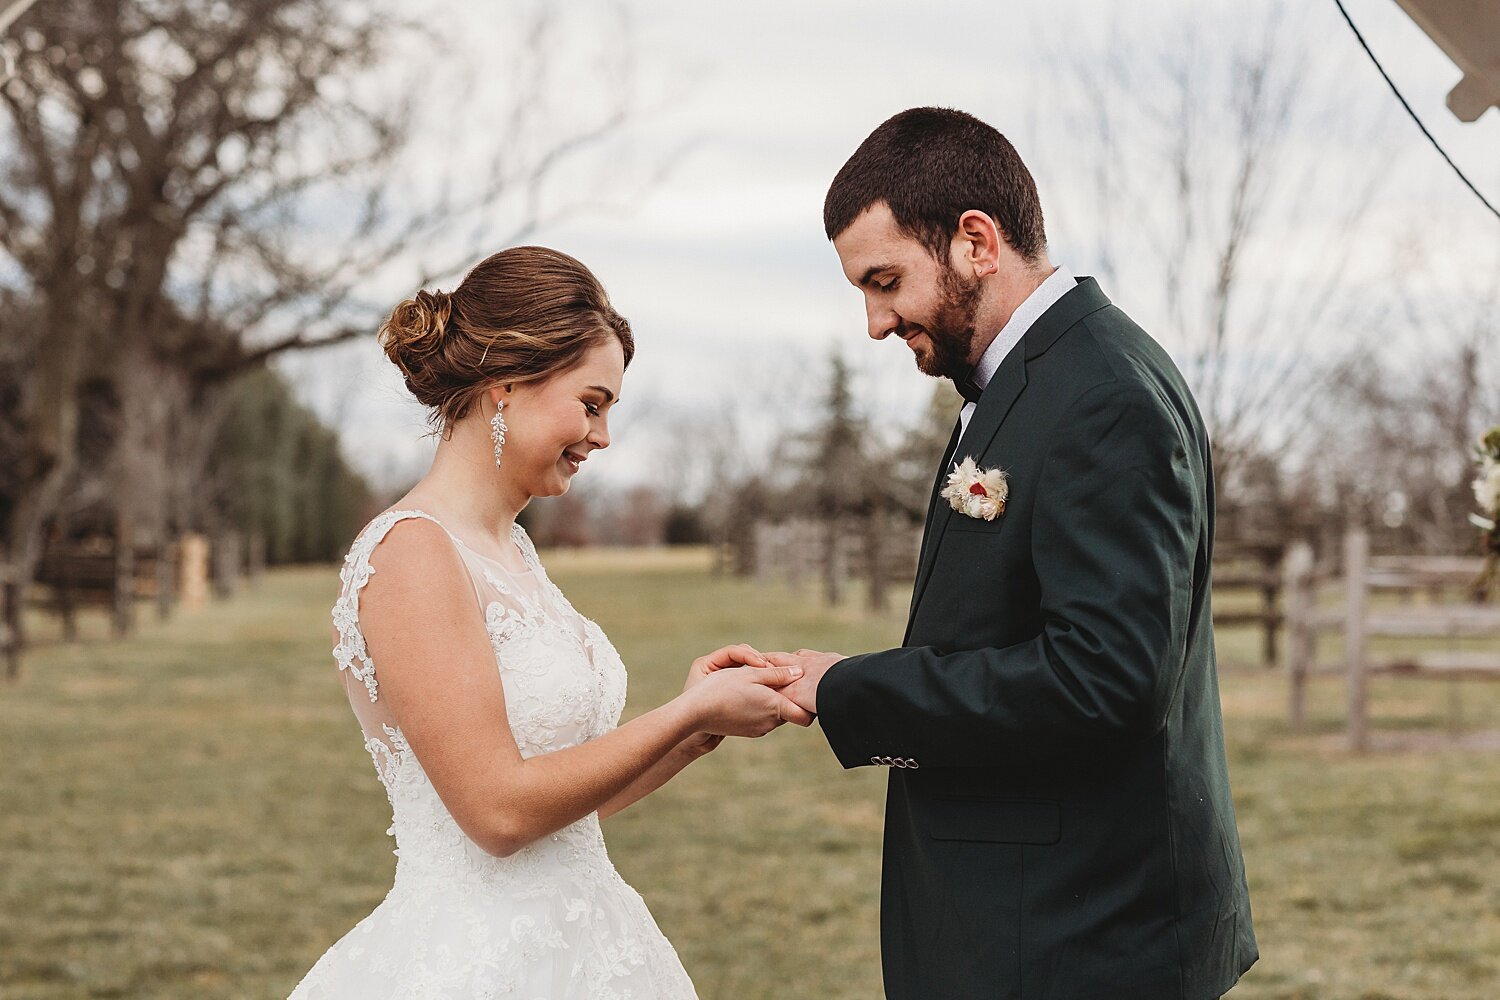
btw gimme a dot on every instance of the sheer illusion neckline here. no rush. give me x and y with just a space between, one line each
514 530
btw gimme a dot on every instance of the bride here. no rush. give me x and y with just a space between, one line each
490 705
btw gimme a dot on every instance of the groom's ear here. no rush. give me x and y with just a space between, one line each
977 244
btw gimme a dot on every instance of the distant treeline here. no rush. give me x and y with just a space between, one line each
281 474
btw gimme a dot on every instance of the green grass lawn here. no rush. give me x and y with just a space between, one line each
190 813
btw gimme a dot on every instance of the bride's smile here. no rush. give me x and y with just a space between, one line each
554 426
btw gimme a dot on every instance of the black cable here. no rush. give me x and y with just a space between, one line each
1441 152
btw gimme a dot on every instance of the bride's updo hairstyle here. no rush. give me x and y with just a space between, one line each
522 315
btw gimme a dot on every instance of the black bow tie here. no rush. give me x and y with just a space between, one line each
969 389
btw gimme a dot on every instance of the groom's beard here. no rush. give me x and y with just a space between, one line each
951 332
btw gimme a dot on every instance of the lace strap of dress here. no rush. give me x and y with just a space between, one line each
586 626
528 555
528 550
350 651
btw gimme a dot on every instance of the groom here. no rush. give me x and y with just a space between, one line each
1058 823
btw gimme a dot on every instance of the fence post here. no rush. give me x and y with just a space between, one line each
10 619
795 545
64 590
766 554
833 561
875 556
1298 599
122 614
1268 558
255 557
193 571
226 563
166 577
1356 637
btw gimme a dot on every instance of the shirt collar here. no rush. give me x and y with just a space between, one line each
1042 298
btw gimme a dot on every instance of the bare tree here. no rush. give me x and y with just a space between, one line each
1213 206
913 458
1395 444
729 457
189 188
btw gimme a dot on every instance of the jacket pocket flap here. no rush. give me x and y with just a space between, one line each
995 821
963 522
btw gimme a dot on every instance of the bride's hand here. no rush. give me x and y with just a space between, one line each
745 702
700 745
740 654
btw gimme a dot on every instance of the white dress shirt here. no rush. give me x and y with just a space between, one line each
1045 295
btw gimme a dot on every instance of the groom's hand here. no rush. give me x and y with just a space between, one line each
804 690
745 655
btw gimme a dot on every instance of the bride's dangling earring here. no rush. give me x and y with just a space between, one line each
497 430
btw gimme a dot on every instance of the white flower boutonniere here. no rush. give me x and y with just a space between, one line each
976 492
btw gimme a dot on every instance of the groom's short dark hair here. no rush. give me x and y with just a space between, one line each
931 165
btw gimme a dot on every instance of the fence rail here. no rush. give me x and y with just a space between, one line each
1262 574
1359 623
100 571
1287 580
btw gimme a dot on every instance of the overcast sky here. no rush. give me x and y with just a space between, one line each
722 267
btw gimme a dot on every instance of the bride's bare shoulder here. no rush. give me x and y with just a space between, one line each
415 567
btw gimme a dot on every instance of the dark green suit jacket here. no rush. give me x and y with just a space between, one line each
1059 824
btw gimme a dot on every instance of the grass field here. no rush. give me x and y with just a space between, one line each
190 813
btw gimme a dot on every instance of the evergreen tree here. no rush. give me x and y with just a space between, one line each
839 480
914 461
280 473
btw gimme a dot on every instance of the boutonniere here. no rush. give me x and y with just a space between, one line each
976 492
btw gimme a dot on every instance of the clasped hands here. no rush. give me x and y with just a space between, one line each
740 691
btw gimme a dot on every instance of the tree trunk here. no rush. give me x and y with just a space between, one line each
46 463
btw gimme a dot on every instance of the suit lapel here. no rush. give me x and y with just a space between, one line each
932 511
999 396
942 472
994 406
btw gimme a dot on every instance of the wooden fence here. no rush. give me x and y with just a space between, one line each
799 550
98 573
1287 582
1440 616
833 553
10 616
1252 565
74 574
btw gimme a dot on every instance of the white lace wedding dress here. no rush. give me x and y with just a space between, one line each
554 921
